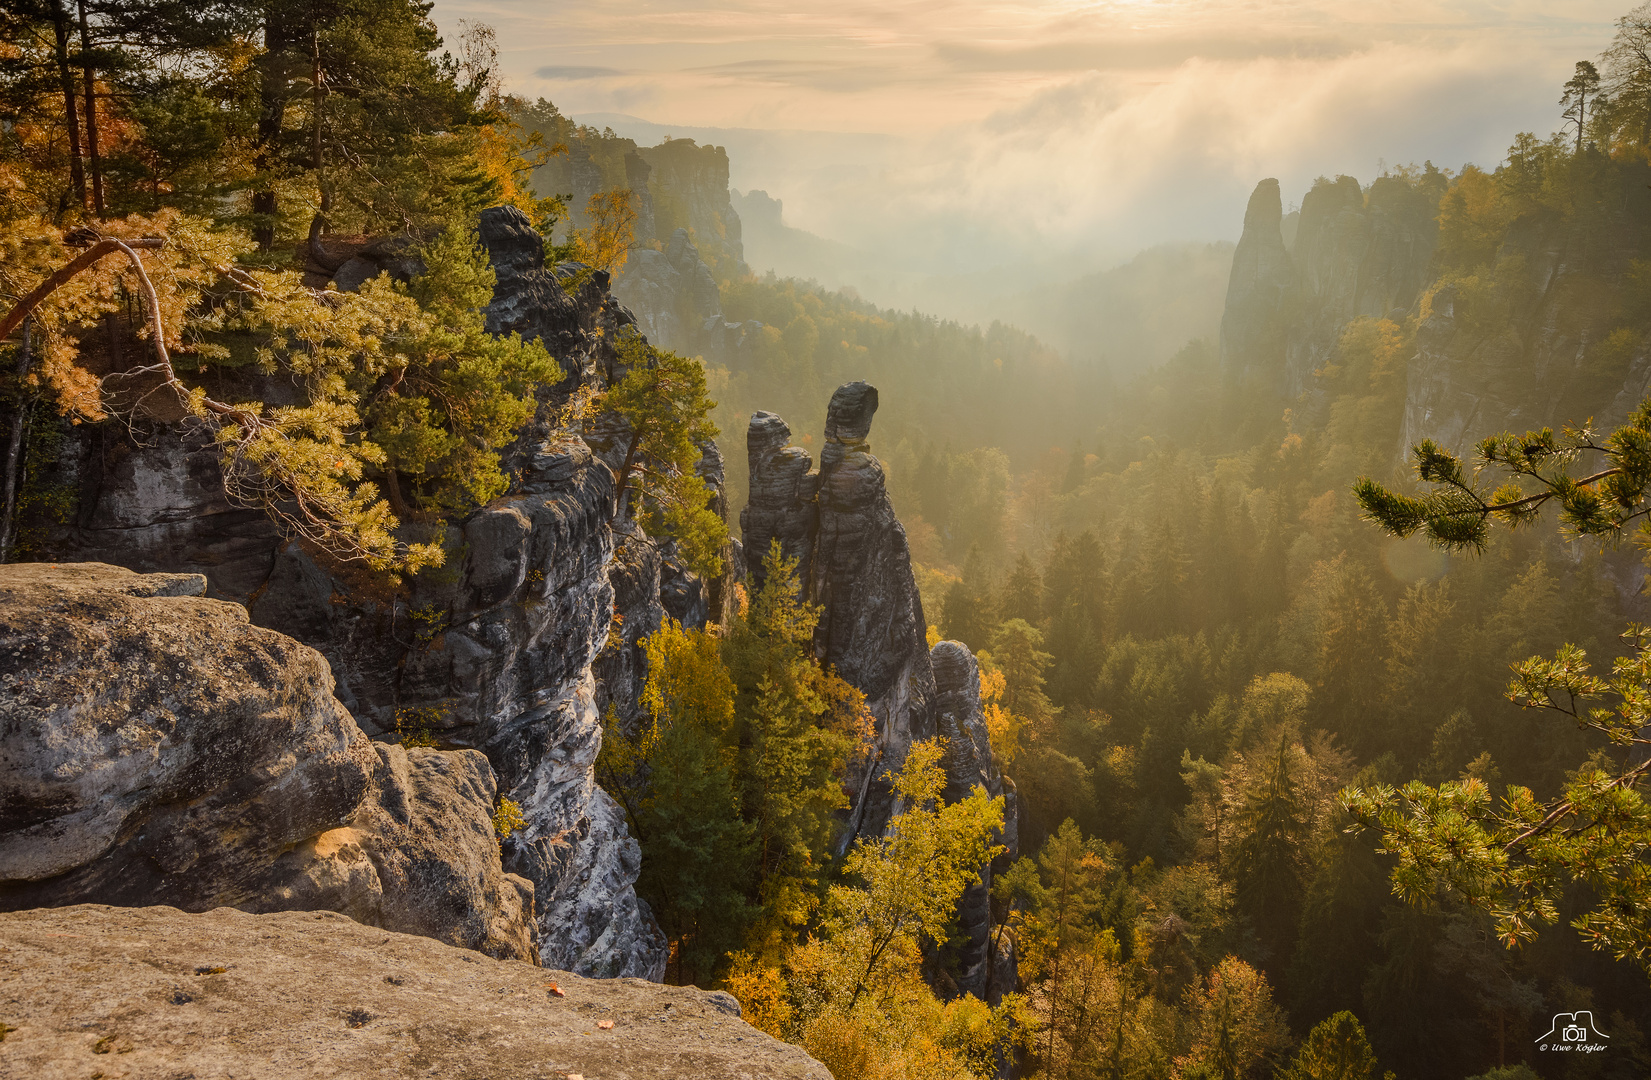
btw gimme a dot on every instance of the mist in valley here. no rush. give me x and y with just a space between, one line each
1044 541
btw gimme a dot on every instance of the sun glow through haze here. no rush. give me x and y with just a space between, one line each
972 135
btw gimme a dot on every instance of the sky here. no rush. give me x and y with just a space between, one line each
969 137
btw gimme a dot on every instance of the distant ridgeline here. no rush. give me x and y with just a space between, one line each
1518 298
784 345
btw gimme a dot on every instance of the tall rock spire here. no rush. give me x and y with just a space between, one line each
1260 293
871 626
854 562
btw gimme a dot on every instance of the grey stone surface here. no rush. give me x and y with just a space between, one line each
871 628
506 649
155 746
153 992
961 721
780 504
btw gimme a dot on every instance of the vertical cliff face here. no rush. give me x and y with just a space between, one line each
1539 329
854 563
871 627
513 648
677 185
689 184
1356 252
780 505
673 293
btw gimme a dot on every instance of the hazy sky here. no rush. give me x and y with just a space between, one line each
1025 127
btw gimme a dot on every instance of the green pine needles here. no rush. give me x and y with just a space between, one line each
1457 512
1514 854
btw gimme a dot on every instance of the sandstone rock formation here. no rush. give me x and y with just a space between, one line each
959 719
1358 252
1260 293
1539 360
506 650
156 747
676 185
153 992
671 291
871 627
780 505
854 563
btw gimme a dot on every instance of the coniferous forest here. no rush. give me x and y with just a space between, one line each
1310 658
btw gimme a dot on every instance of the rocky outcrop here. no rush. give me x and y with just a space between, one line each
509 649
153 992
156 747
677 185
854 563
983 969
1356 252
689 185
519 649
780 505
871 627
1260 293
673 292
1534 327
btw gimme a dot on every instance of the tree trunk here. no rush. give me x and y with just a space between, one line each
14 451
318 92
71 113
91 110
273 66
392 489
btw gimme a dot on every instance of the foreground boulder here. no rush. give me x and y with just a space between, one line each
93 990
157 748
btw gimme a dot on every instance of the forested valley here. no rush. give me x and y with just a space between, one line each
1293 721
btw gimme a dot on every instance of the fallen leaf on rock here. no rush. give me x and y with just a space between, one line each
604 1024
556 991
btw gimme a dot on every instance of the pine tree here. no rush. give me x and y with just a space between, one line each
1058 926
1336 1049
796 728
1274 823
1023 592
969 613
663 400
1017 652
676 781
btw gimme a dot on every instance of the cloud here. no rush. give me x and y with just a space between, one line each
971 134
575 73
1130 51
1112 162
834 77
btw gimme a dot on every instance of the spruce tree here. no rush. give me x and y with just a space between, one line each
1274 823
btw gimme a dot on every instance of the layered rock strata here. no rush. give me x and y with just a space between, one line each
153 992
156 747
